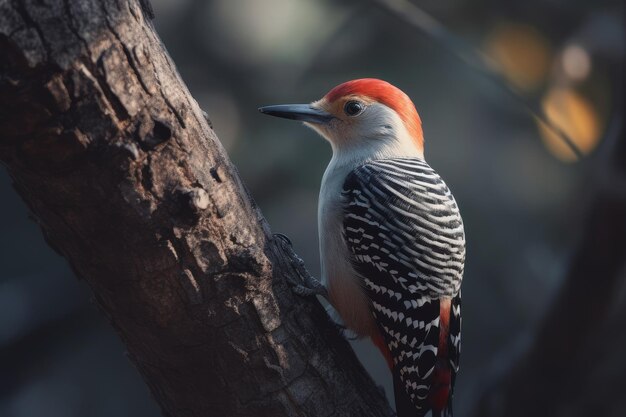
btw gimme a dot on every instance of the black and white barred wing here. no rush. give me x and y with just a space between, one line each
406 239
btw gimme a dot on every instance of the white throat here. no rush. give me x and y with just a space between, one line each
378 134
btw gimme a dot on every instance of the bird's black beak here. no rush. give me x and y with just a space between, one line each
301 112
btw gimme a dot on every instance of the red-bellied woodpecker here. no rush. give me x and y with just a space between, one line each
392 242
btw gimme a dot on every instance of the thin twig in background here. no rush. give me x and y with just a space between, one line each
472 57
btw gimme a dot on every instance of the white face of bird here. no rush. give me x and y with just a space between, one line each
361 124
363 118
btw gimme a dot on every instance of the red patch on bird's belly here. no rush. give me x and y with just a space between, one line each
440 387
442 375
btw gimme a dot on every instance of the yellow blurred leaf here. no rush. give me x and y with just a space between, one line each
575 116
522 54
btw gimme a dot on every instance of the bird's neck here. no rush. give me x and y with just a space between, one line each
348 156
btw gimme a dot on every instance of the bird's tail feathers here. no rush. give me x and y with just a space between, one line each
404 407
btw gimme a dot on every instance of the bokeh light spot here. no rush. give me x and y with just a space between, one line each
576 117
255 33
576 62
521 53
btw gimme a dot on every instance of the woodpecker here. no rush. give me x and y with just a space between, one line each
392 243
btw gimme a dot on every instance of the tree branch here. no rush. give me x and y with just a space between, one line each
129 183
474 59
577 334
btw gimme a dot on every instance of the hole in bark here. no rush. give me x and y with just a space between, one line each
153 132
215 174
161 131
13 61
146 176
187 204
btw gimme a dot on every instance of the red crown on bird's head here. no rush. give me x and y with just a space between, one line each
384 93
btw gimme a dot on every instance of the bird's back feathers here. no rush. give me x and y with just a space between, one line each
405 234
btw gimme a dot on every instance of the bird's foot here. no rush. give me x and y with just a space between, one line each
345 332
308 286
304 284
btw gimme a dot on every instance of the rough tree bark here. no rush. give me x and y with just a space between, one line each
129 183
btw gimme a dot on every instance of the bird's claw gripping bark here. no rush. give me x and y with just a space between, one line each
346 333
304 285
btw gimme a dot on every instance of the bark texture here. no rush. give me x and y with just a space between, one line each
130 184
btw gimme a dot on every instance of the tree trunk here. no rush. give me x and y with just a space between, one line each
129 183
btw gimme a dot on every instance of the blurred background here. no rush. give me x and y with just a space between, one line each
524 194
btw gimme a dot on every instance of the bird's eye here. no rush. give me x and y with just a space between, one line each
353 108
